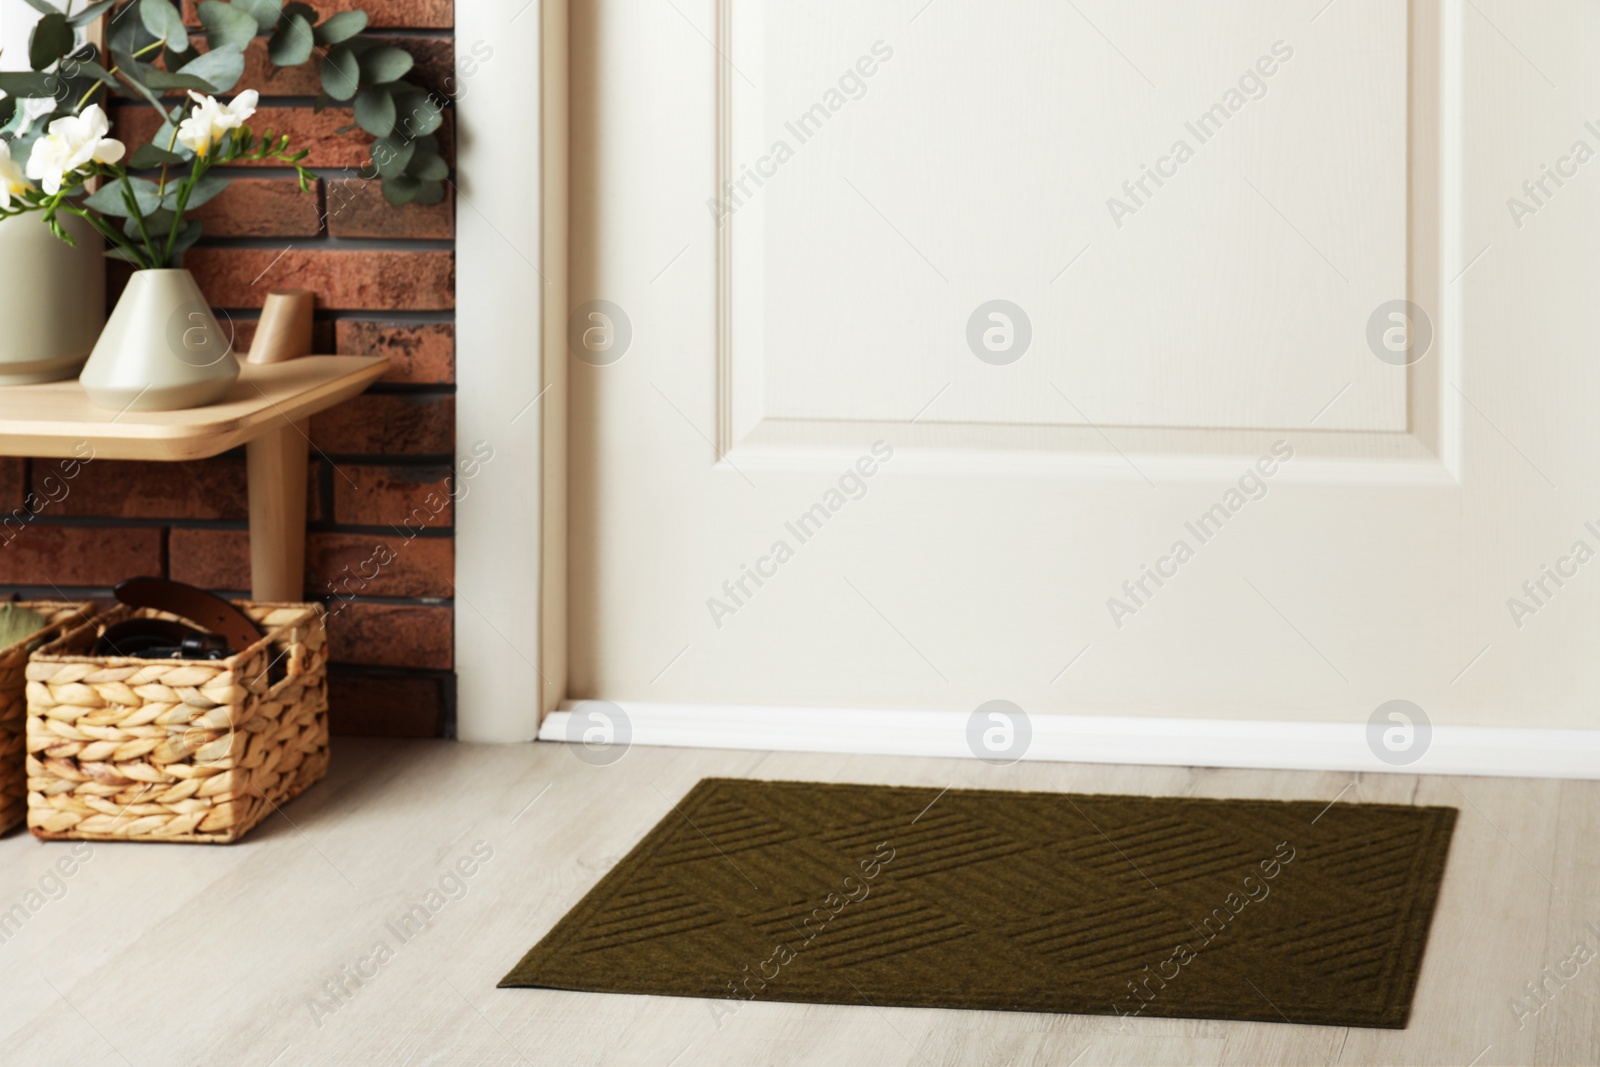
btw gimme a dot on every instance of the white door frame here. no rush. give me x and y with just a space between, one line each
511 256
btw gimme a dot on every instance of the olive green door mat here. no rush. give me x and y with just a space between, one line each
1298 912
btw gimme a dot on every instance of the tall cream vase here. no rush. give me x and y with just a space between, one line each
52 298
162 349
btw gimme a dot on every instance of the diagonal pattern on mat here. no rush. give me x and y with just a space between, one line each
1155 906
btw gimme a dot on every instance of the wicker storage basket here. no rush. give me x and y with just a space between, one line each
13 702
124 749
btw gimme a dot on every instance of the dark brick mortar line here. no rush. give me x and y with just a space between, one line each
379 317
327 243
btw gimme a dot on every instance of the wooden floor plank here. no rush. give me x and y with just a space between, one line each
1488 929
263 954
1572 937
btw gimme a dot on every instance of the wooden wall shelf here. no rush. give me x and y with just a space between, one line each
266 411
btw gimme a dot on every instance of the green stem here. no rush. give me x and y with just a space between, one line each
132 203
109 233
184 189
161 186
98 85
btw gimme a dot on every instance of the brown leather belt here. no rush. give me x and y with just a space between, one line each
204 609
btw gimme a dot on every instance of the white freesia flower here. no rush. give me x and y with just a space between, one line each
211 120
12 182
71 143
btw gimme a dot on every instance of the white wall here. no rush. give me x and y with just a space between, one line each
16 22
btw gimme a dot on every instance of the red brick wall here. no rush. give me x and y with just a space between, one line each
385 284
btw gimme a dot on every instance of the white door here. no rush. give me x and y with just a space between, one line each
1231 359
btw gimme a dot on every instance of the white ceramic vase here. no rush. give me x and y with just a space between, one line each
162 349
52 298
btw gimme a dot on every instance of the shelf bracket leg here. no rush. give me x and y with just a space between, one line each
276 463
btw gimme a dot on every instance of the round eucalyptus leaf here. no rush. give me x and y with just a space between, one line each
52 38
226 24
163 20
392 156
29 84
375 111
292 44
401 190
429 193
385 63
220 68
419 113
150 156
265 12
128 35
341 75
341 27
429 166
111 198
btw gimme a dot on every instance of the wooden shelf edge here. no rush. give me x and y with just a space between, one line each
195 433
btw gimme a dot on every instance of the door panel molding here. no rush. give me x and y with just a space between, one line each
1428 452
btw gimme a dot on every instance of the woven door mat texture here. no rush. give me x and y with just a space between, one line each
1279 911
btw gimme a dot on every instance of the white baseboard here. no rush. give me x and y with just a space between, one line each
1311 746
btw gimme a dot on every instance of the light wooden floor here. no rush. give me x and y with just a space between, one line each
158 955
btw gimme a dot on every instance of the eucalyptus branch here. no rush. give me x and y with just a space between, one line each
147 54
114 71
